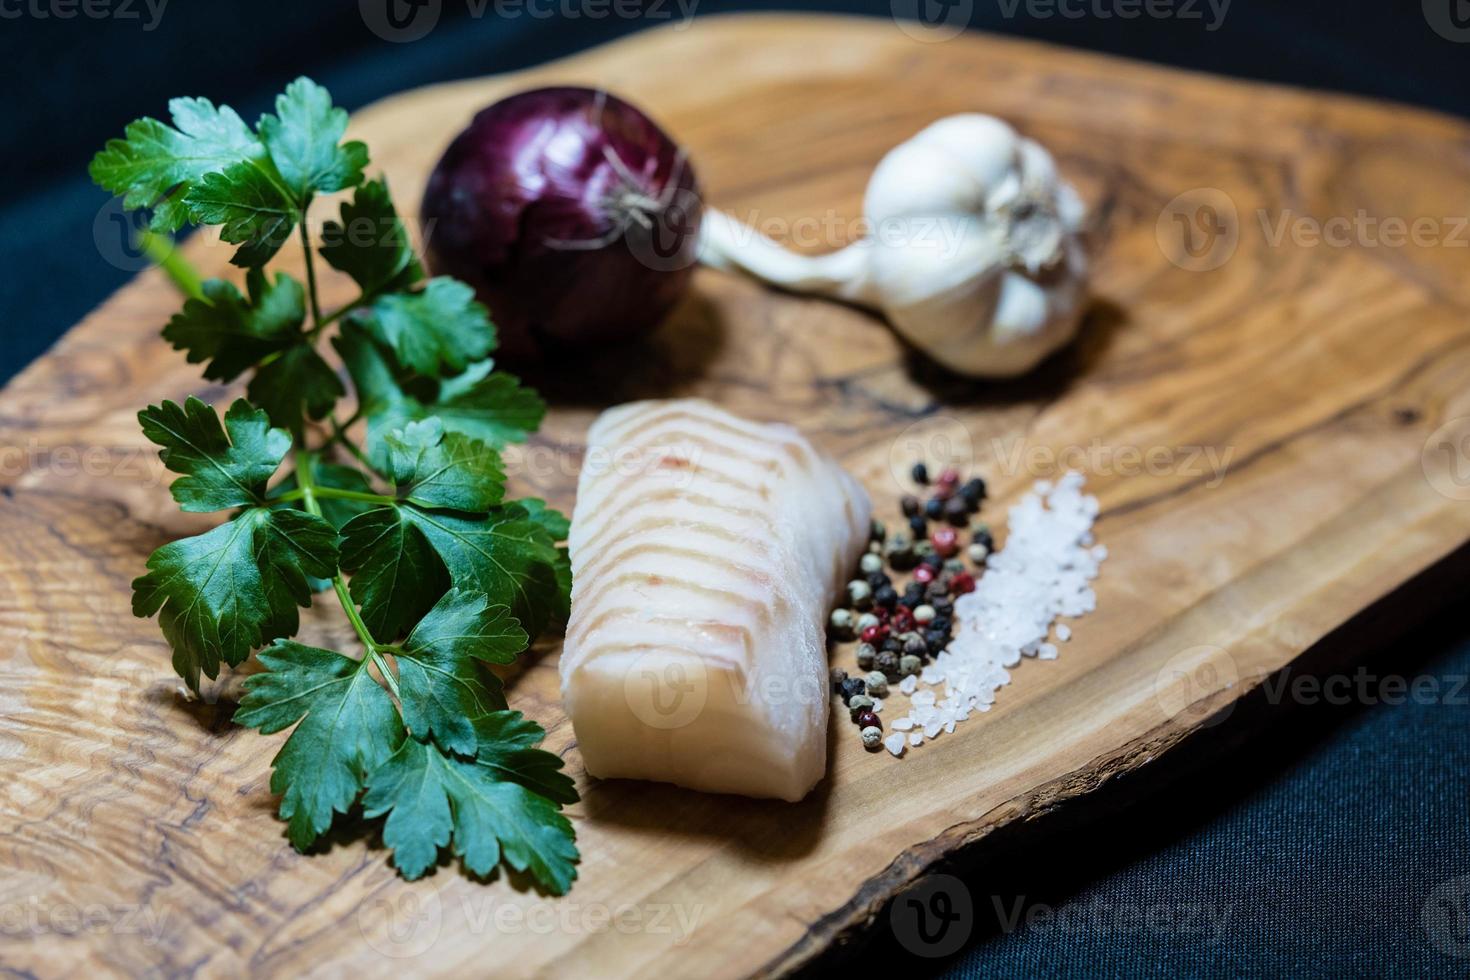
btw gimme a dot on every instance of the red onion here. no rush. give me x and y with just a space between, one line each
571 213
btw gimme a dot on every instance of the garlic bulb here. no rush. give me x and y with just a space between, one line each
975 253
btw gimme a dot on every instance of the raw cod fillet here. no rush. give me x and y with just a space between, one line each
706 552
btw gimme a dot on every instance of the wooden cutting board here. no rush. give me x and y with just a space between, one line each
1268 437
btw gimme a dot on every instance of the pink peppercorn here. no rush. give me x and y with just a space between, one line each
945 541
924 574
867 719
962 583
903 619
949 477
875 634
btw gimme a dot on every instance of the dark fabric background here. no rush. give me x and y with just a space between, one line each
1331 845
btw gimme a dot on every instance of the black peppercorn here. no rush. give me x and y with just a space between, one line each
973 493
920 474
983 536
884 597
912 596
934 509
919 526
936 639
891 643
934 562
915 645
941 623
957 511
839 677
878 581
852 686
910 505
943 605
887 662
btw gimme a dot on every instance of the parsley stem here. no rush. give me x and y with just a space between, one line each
309 492
332 493
164 252
316 309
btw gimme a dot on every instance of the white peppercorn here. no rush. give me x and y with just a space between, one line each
871 563
877 683
872 738
866 654
908 664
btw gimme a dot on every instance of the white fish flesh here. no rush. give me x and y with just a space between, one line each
706 552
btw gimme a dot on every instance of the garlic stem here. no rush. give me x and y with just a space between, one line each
729 244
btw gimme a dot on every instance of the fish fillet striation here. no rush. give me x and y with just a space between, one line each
706 551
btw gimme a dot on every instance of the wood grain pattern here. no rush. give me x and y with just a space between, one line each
1318 373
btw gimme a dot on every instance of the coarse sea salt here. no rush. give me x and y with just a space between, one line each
1043 572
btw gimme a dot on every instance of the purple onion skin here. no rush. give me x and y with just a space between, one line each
527 207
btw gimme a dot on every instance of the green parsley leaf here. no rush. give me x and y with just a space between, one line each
295 385
558 527
504 740
396 574
348 727
223 593
370 243
219 472
437 469
248 203
234 333
440 329
432 800
504 554
399 556
441 684
154 165
492 408
303 138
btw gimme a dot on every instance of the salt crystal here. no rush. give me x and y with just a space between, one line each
1046 652
902 724
894 744
923 697
908 685
1064 632
877 705
916 739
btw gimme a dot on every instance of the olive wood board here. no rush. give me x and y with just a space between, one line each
1265 437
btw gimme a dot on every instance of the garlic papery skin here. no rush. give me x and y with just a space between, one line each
976 252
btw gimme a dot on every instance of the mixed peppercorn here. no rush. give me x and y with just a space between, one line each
898 632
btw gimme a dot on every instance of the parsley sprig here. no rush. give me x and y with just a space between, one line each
439 574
